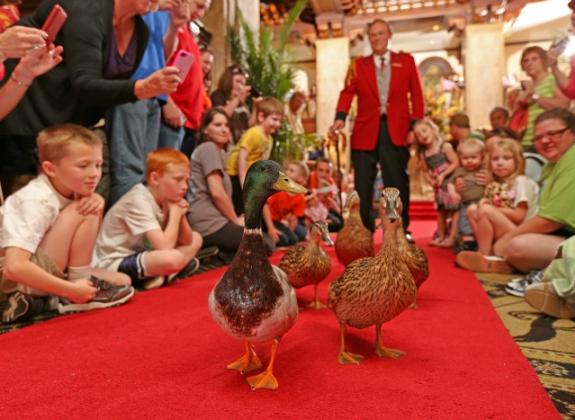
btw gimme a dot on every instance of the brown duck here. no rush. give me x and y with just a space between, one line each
354 240
415 258
372 291
309 264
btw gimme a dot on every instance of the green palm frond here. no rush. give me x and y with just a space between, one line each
287 26
269 74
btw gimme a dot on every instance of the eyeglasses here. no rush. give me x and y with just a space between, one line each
553 134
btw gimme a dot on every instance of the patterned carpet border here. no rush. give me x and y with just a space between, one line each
548 343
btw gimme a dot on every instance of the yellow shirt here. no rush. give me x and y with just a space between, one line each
256 143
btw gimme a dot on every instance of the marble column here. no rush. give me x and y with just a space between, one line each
218 19
332 60
484 63
216 22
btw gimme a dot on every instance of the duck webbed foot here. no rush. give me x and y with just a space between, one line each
266 379
316 304
345 357
248 362
384 351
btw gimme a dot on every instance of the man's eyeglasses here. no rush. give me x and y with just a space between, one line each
553 134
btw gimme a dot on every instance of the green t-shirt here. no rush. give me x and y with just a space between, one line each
556 199
545 89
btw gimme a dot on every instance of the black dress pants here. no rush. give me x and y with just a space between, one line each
393 162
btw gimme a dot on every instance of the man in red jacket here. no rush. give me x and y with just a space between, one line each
389 98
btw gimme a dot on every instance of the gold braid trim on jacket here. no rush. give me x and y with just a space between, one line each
351 72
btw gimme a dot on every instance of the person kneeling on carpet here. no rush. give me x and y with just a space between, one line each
532 245
555 295
48 229
146 234
507 201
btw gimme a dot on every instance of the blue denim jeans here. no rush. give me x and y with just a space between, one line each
171 137
464 226
133 130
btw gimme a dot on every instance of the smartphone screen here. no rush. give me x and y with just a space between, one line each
54 23
183 62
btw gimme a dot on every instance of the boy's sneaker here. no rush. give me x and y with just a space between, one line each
207 252
153 282
20 307
544 297
190 268
107 295
516 287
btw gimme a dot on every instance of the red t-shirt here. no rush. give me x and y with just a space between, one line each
282 204
190 94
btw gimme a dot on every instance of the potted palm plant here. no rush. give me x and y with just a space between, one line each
264 58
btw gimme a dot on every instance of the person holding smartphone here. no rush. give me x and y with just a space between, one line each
189 96
104 41
538 93
565 82
133 129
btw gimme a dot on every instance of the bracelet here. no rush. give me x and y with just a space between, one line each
19 82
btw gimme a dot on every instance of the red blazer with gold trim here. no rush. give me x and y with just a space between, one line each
404 103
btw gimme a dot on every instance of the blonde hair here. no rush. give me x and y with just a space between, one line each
471 144
158 160
513 146
269 105
53 142
434 128
303 169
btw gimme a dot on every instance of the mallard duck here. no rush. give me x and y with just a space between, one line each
415 258
309 264
374 290
354 240
253 301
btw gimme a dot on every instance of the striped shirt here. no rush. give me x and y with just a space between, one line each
545 89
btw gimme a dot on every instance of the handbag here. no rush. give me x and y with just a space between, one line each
518 121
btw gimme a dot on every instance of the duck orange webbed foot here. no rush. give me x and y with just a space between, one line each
347 358
391 353
265 380
248 362
316 304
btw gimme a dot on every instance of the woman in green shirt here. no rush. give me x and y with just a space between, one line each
539 93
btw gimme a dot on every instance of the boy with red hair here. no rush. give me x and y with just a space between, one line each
146 234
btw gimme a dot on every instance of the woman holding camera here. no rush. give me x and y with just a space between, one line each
232 93
104 41
539 93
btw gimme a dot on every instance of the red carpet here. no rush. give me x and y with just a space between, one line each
422 210
162 356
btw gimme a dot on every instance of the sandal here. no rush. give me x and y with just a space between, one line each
446 243
435 242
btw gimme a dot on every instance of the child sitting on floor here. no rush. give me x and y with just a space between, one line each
255 144
146 234
508 200
48 230
288 210
322 183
